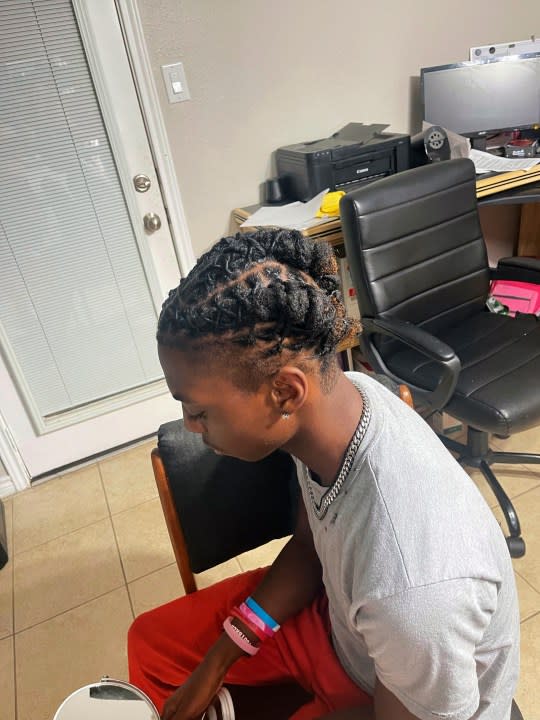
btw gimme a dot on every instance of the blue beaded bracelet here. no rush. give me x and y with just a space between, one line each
262 614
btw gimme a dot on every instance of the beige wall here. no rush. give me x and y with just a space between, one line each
264 74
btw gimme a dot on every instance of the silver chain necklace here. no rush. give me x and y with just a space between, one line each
333 491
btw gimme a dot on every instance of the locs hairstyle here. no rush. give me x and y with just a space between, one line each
270 294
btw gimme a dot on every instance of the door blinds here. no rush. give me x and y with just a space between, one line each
75 307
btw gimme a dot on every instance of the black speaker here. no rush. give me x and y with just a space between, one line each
431 145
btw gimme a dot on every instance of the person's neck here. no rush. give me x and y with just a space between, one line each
327 429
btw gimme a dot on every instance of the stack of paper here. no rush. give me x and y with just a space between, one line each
485 162
296 215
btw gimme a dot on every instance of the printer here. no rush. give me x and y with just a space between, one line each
354 155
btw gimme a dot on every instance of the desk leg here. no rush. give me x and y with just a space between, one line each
529 230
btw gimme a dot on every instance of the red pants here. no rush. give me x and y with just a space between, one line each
165 645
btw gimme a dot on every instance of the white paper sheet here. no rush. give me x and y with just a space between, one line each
486 162
296 215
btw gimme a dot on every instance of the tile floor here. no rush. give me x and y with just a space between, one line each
90 551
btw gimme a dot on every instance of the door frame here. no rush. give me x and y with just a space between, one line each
135 43
137 54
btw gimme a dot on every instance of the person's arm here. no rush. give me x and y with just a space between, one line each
295 577
291 583
424 642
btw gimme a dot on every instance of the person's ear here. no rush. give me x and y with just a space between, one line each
289 390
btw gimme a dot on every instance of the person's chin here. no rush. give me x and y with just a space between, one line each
256 456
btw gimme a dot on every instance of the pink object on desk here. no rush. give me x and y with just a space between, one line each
517 296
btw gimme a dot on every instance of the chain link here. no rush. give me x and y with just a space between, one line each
333 491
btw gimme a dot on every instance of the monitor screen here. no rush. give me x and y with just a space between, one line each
488 96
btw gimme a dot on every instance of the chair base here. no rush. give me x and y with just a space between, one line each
477 453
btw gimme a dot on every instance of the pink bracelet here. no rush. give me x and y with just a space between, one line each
238 637
256 620
255 629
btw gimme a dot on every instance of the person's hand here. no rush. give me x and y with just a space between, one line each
190 700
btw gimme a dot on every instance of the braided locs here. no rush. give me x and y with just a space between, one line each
272 290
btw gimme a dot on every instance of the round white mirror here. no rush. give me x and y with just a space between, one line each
107 700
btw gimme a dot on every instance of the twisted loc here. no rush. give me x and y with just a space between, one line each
274 289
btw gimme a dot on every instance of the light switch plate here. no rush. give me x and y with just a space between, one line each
175 82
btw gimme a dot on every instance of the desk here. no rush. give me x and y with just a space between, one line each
529 228
526 195
529 231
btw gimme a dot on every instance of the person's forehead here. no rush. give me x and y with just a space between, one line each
190 379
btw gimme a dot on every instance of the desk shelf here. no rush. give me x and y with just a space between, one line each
527 195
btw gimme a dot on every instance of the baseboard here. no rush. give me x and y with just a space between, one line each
6 486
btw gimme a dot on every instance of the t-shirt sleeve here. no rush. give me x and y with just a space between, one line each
423 642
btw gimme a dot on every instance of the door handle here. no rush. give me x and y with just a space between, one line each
152 222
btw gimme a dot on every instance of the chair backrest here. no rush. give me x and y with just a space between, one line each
217 507
415 246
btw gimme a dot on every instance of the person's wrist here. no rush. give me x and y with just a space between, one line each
223 654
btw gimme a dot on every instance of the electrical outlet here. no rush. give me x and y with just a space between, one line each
175 82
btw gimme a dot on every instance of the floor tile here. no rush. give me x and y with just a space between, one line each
128 477
143 539
7 679
262 556
526 441
74 649
529 598
158 588
528 692
220 572
57 507
6 577
65 572
515 480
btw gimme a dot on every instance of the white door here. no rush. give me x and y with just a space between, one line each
81 276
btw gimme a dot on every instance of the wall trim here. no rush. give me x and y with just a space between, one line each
6 486
150 105
18 477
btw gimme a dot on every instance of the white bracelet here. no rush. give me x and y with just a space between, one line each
227 707
210 713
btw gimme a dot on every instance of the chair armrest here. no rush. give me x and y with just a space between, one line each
423 342
521 269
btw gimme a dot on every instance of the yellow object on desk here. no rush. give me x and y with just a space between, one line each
330 204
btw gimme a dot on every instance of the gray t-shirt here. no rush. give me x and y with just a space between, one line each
419 579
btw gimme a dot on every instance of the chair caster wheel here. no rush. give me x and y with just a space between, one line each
516 546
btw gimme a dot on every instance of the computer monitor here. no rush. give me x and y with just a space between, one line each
483 98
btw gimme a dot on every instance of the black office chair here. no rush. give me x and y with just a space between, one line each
419 264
